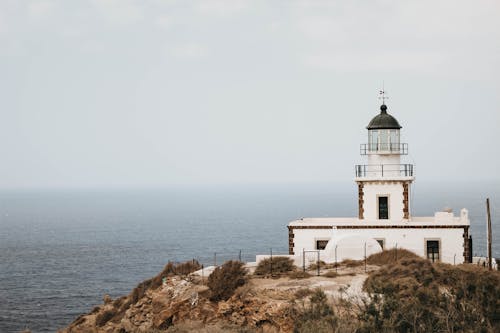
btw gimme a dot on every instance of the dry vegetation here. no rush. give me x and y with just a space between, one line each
331 274
225 279
275 266
409 294
390 256
299 275
121 305
418 296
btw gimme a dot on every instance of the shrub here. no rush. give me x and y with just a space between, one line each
314 266
244 291
331 274
141 289
416 295
352 263
104 317
276 265
303 292
182 269
389 256
225 279
318 317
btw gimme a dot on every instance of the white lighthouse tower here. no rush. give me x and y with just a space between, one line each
384 183
384 214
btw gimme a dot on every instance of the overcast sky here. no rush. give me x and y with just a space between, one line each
122 93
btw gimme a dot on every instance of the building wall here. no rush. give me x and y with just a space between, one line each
376 159
413 239
394 190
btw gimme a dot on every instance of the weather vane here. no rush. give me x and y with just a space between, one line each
382 95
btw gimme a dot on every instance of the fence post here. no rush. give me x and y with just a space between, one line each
215 259
239 256
271 261
396 251
365 257
336 265
318 263
454 256
303 259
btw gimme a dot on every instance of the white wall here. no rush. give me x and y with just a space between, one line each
393 191
377 159
451 240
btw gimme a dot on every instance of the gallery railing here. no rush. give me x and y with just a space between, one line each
380 148
384 170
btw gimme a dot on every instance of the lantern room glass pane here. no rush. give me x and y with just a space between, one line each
383 139
372 140
394 137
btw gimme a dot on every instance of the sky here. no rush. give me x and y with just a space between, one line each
123 93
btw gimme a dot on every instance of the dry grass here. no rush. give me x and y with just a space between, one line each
200 327
121 305
303 293
439 297
299 275
331 274
245 291
314 266
352 263
277 265
390 256
225 279
104 317
170 269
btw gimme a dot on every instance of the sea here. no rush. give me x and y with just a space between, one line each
61 251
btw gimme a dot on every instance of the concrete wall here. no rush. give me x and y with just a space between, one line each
395 193
414 239
390 159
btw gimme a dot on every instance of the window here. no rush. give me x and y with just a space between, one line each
433 250
394 138
321 244
373 140
383 208
383 140
381 242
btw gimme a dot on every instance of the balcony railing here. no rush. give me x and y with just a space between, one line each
381 148
384 170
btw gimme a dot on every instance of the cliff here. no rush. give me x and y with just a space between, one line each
182 304
395 295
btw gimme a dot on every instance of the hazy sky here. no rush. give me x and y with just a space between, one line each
121 93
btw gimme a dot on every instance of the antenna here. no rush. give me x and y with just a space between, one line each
382 95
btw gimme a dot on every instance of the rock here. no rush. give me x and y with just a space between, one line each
107 299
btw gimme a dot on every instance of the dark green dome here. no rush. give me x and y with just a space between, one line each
383 120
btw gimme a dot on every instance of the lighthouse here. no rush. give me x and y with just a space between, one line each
385 218
384 182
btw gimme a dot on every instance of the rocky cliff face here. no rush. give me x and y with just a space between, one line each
412 294
183 305
183 302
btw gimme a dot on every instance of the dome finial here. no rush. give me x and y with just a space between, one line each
383 96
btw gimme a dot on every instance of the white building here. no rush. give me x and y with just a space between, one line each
384 218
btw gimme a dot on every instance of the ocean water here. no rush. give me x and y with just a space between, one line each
61 251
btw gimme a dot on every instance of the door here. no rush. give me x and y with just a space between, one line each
433 250
383 208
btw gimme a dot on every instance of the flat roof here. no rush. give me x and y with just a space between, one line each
354 221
